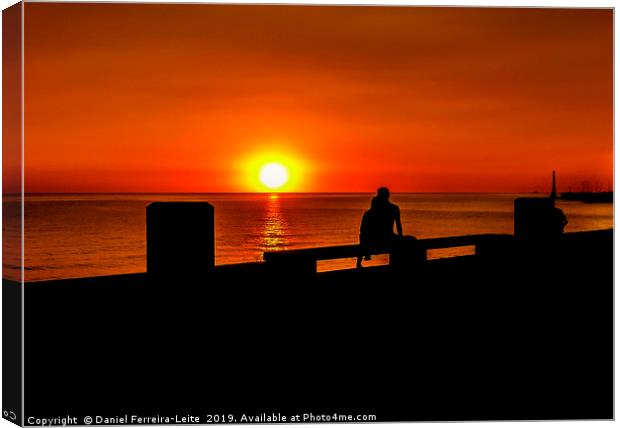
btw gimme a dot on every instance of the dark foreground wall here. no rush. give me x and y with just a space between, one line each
525 332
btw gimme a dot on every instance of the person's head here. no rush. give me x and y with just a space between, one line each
383 193
374 203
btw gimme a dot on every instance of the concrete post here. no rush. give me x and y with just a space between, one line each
407 254
180 239
533 218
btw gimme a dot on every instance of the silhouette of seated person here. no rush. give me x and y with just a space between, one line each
377 227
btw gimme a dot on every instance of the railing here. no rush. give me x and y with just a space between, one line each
404 253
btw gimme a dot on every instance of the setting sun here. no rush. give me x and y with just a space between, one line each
336 125
274 175
274 169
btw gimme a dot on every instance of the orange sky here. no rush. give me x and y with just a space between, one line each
179 98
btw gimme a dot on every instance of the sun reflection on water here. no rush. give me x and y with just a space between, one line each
275 226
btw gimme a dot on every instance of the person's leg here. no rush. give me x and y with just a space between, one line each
363 253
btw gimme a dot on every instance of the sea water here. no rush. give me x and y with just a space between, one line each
81 235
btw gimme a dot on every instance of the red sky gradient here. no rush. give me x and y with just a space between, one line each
179 98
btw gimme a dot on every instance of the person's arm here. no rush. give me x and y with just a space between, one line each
399 227
364 228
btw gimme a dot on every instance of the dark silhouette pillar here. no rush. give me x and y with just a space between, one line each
407 253
533 218
180 239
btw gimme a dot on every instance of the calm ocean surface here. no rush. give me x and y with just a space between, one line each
68 236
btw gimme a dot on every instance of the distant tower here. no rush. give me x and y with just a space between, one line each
553 192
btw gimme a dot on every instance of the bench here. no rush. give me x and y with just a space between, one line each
404 253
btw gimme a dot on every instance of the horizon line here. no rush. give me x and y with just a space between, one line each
274 193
